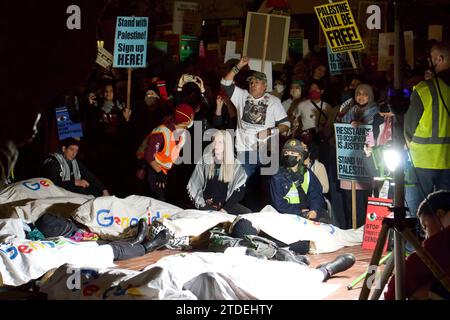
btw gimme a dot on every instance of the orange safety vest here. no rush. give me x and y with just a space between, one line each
171 151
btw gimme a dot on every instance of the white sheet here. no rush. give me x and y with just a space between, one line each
193 276
111 217
23 260
36 188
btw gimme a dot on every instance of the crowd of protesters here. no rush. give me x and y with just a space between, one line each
134 149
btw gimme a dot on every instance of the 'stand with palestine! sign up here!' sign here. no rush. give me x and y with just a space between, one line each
351 158
130 47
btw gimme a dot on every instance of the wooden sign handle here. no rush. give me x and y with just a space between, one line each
129 89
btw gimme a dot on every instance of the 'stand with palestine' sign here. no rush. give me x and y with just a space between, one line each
130 47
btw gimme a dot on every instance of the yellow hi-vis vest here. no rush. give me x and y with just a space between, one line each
292 196
430 145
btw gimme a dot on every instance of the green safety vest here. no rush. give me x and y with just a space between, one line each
292 196
430 145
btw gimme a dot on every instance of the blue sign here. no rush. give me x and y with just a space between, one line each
351 158
339 62
130 47
68 122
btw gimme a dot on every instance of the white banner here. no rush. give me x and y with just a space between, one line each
112 217
36 188
23 260
290 228
200 275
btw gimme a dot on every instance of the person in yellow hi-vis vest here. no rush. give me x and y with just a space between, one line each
427 131
295 189
162 148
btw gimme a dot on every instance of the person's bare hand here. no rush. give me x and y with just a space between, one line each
140 174
219 105
81 183
312 214
92 98
200 84
127 114
355 124
243 62
263 134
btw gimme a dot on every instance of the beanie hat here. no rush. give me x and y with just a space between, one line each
183 113
295 146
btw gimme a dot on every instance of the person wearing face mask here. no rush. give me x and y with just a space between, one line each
295 189
295 94
161 148
278 88
434 216
314 115
218 181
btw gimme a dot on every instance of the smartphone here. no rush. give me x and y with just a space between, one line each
189 78
162 90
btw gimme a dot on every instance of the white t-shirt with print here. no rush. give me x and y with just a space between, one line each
309 114
255 115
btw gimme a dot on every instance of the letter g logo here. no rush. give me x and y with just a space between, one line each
104 219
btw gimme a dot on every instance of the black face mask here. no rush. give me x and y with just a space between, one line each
290 161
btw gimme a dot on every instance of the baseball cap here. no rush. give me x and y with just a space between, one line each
258 75
294 145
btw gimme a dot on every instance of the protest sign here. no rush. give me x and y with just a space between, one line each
186 18
266 37
377 210
231 51
339 26
104 58
386 50
68 122
350 151
339 62
189 48
435 32
130 47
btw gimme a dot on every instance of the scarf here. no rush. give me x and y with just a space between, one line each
386 133
197 182
65 169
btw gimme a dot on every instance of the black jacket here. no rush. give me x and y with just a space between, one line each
51 169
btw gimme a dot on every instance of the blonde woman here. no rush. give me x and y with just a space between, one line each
218 181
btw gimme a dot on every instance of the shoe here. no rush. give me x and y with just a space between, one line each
284 254
142 232
341 263
160 240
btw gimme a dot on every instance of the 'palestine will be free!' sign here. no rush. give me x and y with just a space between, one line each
339 27
130 46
